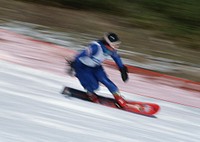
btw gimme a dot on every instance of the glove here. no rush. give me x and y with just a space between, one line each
124 73
71 64
70 71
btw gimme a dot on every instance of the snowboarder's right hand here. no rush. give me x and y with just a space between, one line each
70 71
71 64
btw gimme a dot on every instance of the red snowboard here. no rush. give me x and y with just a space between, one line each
143 108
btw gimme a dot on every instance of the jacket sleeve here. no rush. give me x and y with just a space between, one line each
117 59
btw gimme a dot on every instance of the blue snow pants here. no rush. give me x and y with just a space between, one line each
90 77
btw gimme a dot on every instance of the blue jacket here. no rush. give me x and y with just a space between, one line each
96 53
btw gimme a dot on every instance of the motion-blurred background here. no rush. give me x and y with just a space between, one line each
160 43
160 35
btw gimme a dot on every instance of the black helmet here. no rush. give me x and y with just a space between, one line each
112 39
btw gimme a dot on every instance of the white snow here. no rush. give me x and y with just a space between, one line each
32 109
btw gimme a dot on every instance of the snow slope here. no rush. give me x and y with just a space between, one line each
33 110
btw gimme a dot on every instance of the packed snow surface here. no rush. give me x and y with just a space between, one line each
32 109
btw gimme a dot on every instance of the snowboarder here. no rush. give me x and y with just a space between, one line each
88 67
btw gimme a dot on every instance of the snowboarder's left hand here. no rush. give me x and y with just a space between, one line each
124 73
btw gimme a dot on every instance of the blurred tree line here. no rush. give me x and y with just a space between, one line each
177 19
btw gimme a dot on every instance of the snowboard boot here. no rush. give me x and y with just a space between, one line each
93 97
120 100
